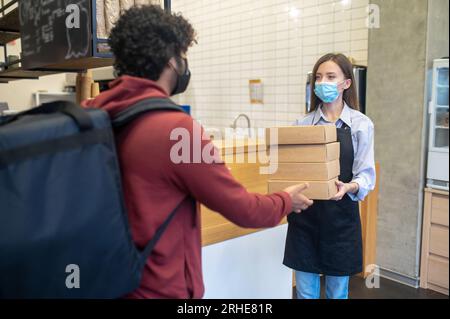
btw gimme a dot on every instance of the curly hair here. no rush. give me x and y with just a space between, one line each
145 38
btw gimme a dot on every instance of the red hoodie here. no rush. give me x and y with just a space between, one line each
154 185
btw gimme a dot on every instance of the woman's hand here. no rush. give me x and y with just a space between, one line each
299 201
344 188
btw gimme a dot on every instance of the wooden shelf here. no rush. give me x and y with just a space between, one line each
14 74
436 191
6 37
9 26
75 65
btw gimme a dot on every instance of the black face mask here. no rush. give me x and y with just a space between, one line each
182 80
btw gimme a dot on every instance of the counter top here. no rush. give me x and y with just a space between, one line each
215 228
239 145
436 191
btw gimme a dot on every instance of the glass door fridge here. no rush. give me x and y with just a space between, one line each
437 170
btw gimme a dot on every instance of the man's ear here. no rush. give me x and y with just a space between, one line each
167 79
173 64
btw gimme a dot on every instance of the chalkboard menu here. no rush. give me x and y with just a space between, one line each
54 31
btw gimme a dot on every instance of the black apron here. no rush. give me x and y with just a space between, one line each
326 238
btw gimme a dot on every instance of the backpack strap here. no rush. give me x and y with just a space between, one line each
160 231
124 118
144 106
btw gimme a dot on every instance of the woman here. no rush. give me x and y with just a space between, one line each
326 238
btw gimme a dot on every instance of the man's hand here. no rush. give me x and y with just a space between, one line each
299 201
344 188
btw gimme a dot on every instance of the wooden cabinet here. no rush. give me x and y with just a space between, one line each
434 260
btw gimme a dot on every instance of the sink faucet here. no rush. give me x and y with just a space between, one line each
248 123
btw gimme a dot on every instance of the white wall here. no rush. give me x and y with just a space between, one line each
19 94
277 41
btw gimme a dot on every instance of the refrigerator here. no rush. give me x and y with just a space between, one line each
437 165
360 74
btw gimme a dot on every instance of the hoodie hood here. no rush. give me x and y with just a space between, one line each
125 91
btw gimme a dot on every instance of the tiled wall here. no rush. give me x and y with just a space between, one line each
277 41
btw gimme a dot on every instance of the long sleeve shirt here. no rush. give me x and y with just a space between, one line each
362 128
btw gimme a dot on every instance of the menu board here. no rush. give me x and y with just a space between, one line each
53 31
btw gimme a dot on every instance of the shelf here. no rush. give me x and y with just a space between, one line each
9 26
6 37
55 93
441 127
79 64
442 150
14 74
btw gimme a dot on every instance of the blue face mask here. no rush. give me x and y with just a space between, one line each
327 91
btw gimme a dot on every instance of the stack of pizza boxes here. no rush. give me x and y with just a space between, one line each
304 154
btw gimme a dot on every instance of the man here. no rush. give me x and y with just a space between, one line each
149 45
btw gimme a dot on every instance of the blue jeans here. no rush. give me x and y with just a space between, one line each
308 286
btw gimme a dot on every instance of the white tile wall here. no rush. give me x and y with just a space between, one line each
277 41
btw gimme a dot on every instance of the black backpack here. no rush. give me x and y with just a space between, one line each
64 232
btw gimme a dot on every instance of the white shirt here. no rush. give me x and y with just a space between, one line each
362 128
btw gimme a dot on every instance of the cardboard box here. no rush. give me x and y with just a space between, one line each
319 153
317 190
315 134
307 171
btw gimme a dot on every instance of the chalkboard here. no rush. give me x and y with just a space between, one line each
54 31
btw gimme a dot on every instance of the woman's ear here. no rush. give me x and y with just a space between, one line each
347 84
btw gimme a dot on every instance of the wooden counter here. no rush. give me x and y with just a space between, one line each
244 166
